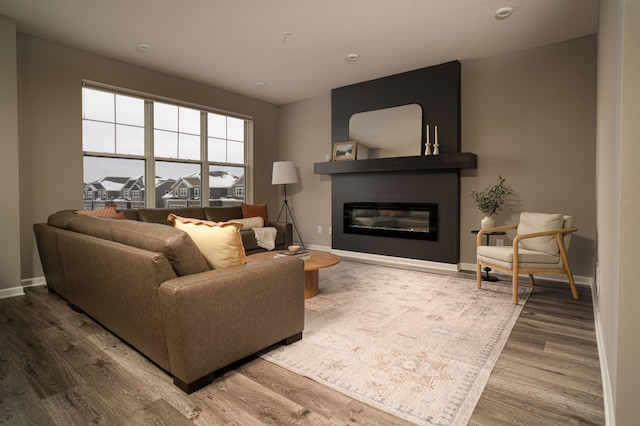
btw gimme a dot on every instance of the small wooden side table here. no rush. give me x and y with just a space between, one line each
486 269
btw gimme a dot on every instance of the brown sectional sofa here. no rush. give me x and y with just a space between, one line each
149 284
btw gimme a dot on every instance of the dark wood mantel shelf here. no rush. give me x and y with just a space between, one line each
459 160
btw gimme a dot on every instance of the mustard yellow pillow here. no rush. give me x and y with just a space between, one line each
219 242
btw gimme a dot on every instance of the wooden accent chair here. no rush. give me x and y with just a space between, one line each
540 247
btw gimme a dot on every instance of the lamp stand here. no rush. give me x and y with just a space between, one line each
287 213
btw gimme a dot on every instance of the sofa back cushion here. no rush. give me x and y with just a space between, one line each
181 252
162 215
219 214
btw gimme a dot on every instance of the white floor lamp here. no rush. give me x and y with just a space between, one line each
284 173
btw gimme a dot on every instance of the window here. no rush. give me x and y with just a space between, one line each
128 136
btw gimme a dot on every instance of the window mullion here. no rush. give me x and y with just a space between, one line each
204 157
248 161
150 166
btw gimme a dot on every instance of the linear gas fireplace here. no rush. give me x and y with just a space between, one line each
417 221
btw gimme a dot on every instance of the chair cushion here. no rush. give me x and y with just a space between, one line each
505 254
540 222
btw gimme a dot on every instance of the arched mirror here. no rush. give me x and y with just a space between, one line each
386 133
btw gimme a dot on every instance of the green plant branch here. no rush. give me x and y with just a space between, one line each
490 200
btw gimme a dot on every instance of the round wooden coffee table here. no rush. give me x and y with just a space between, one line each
319 260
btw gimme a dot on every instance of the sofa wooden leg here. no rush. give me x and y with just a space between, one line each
195 385
291 339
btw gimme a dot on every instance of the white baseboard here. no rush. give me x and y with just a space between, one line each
579 279
607 392
33 282
5 293
317 247
19 290
395 262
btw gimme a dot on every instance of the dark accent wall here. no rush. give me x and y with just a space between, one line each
437 90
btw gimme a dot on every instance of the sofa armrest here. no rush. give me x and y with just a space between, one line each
217 317
287 228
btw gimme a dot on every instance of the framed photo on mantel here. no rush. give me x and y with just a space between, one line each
344 151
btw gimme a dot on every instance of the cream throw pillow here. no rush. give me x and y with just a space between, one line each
249 222
219 242
540 222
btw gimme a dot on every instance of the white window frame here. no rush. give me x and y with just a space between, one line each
150 158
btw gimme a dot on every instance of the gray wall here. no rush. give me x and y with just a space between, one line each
618 197
10 216
528 115
50 160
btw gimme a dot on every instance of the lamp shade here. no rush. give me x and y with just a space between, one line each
284 172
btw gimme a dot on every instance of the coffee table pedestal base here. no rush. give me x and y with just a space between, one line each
311 284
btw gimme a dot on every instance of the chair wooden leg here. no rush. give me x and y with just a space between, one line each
572 284
478 274
533 282
567 267
515 271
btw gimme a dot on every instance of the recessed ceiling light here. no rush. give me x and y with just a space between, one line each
261 84
352 57
143 48
504 12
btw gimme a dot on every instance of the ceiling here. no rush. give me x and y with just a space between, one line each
298 48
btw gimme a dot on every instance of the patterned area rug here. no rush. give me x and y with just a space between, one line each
417 345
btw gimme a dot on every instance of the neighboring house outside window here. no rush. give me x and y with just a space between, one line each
128 136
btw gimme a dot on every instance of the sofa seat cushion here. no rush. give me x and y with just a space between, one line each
219 242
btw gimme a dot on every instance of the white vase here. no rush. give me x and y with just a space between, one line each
488 222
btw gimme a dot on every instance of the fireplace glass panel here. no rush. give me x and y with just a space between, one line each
396 220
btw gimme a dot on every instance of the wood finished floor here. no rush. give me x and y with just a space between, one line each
59 367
